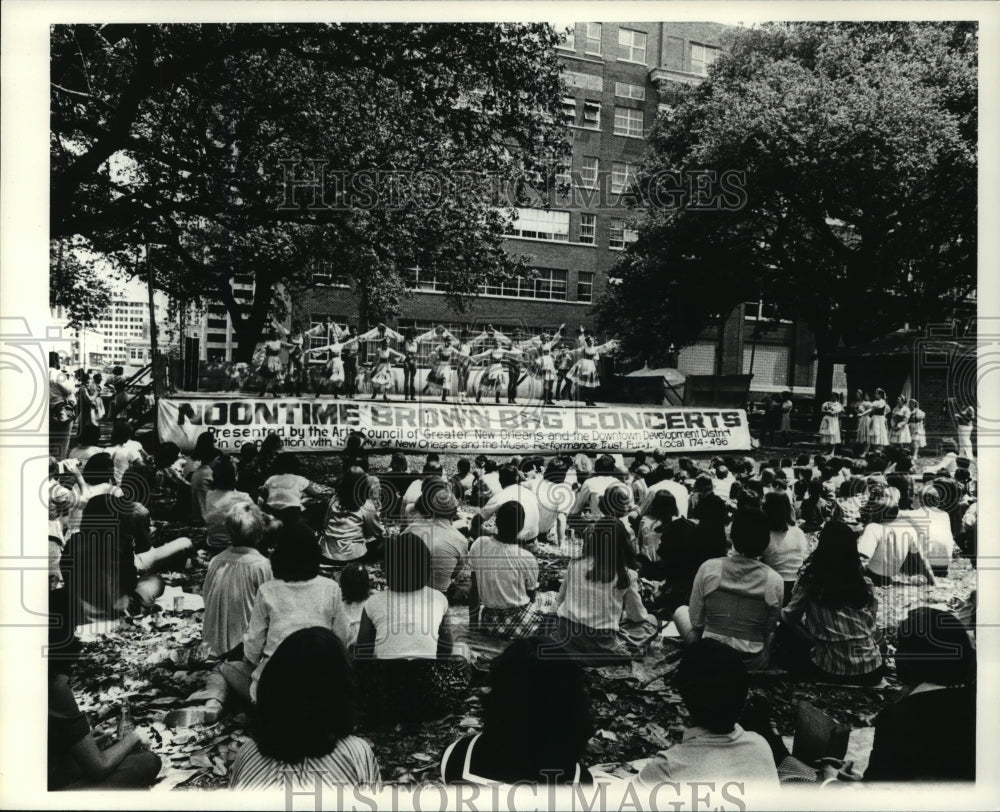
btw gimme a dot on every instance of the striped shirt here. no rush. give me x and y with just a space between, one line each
844 637
351 762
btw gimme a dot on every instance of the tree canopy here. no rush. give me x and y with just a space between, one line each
261 150
853 147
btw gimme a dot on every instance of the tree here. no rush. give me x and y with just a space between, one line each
844 189
261 150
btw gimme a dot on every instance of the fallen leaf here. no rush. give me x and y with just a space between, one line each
201 760
422 757
608 734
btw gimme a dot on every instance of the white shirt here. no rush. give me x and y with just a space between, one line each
517 493
723 487
591 492
406 623
681 495
934 534
787 552
887 545
230 590
490 483
285 490
554 500
504 573
596 604
412 495
123 456
218 504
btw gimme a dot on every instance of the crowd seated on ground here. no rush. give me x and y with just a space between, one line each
716 556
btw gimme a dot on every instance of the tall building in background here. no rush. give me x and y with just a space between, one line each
619 77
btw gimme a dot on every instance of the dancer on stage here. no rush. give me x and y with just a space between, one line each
439 378
463 363
584 372
494 379
350 357
439 333
411 348
544 361
382 373
829 427
899 434
270 368
918 436
564 363
333 369
294 340
513 360
878 435
489 336
380 333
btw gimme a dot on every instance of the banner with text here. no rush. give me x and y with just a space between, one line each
306 424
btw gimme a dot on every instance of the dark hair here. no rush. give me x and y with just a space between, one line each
463 466
608 544
510 521
663 506
703 484
98 469
833 575
555 469
802 460
712 680
514 705
355 585
605 464
508 475
786 462
615 501
433 468
354 489
90 435
934 646
398 462
750 532
204 447
527 465
437 499
433 456
166 454
121 432
271 444
248 452
286 464
490 465
297 555
407 563
814 489
778 509
224 474
305 697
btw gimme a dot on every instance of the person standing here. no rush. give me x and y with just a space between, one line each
878 436
382 370
829 427
350 359
62 408
900 433
440 379
411 348
335 368
918 434
964 421
295 340
87 400
463 363
863 412
270 368
787 407
494 379
584 372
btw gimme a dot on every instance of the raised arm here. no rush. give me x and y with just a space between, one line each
280 328
394 354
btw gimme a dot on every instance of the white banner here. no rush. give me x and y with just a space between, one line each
308 424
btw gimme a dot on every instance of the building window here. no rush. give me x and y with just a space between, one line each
589 172
702 58
546 283
631 46
620 176
568 40
619 235
215 338
588 228
420 279
538 224
698 359
763 311
627 91
569 111
770 364
585 286
324 275
217 324
592 115
628 121
593 39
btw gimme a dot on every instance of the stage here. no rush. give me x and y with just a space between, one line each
323 424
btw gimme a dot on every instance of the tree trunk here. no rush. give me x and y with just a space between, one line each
250 327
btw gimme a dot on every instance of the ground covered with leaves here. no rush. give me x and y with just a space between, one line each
155 662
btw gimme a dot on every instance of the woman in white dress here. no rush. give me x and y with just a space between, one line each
440 377
878 431
899 433
494 379
584 372
382 372
862 412
270 367
829 427
333 370
463 363
918 435
964 421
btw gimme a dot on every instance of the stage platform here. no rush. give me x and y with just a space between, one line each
324 424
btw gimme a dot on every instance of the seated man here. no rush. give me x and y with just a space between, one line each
511 490
605 476
890 543
712 681
737 599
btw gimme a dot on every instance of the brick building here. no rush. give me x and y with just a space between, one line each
618 77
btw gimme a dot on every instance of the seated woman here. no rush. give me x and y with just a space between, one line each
929 734
433 520
282 493
351 528
303 723
787 550
75 762
404 646
598 589
219 502
684 546
172 492
834 605
513 747
661 512
298 597
88 443
816 509
504 580
737 599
